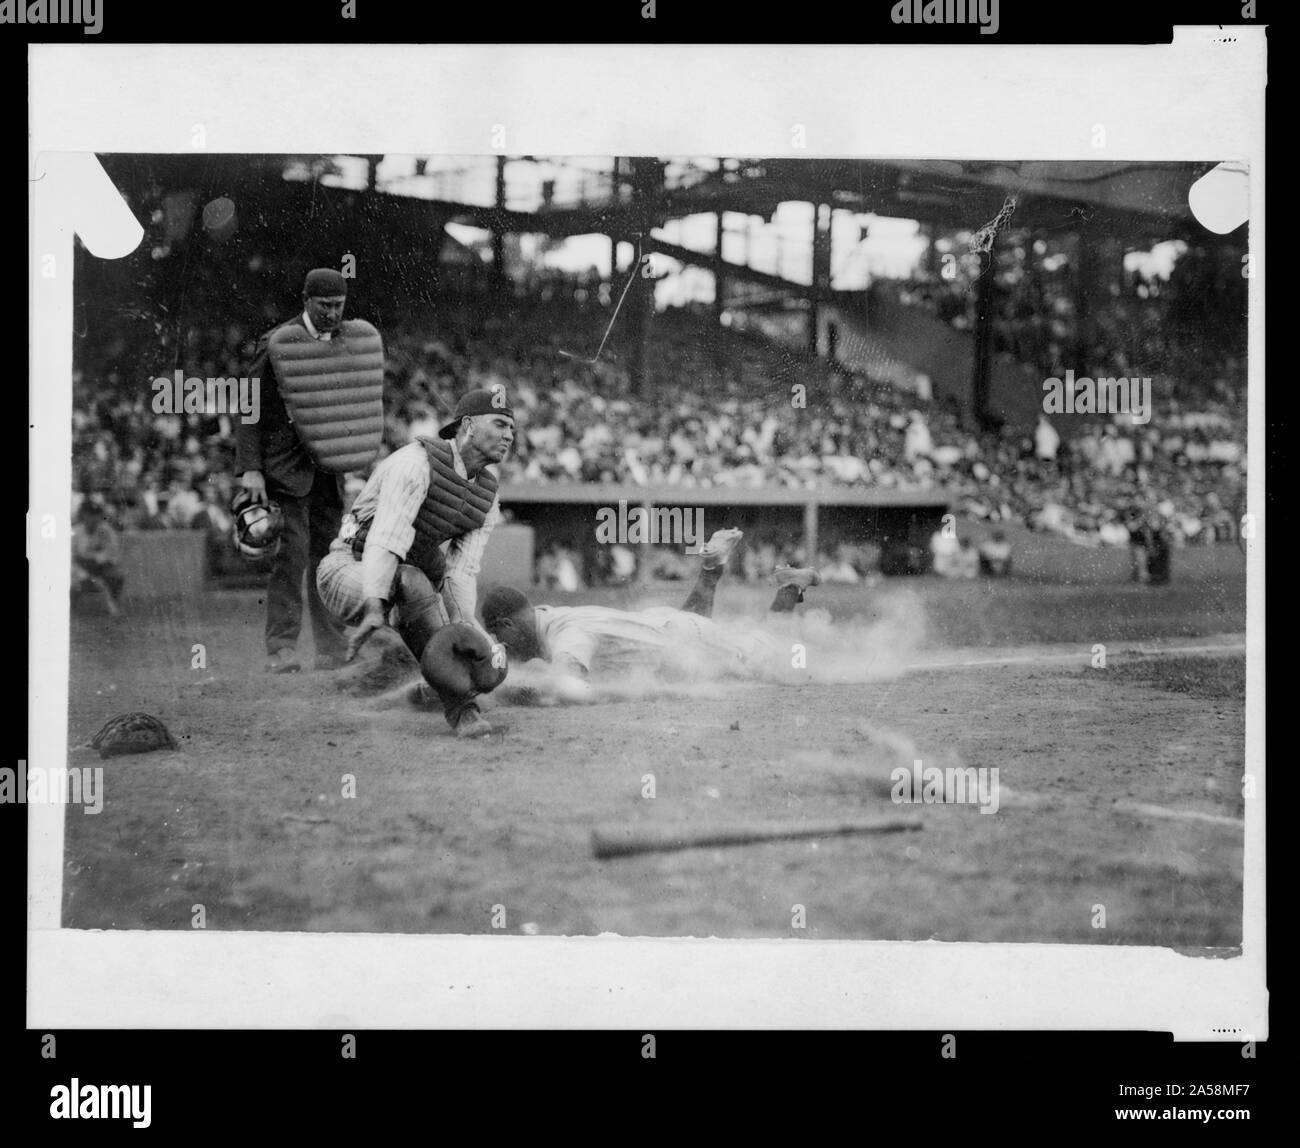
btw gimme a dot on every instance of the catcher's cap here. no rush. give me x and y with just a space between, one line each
489 401
257 526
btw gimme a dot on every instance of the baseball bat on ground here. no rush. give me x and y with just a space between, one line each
626 840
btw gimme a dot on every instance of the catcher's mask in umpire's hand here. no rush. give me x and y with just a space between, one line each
257 526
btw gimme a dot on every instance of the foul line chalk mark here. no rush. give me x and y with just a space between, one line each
1026 800
1046 659
1179 814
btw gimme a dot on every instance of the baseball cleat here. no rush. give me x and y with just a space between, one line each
329 662
282 662
718 549
473 724
801 576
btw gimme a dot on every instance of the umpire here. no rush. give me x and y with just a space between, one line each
274 465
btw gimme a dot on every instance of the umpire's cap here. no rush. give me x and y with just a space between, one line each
491 401
324 281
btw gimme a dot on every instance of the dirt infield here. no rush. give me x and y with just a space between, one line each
248 817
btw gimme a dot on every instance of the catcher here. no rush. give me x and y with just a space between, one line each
388 565
579 640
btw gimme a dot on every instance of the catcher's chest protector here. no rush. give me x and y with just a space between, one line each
334 391
453 506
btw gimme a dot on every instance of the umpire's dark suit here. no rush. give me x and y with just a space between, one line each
312 503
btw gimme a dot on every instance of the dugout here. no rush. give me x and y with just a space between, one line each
899 523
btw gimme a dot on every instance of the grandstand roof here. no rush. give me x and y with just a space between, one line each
1134 200
1140 200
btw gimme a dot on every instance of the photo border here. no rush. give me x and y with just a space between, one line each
1200 98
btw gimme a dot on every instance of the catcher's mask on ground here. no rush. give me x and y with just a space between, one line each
257 527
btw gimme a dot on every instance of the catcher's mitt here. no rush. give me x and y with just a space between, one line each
460 661
132 733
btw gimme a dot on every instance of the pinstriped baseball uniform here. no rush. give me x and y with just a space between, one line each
390 499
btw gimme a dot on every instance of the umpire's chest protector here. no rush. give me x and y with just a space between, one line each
334 391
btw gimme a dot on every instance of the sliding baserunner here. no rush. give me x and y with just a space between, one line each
585 644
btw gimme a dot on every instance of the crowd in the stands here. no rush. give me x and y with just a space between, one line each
715 408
